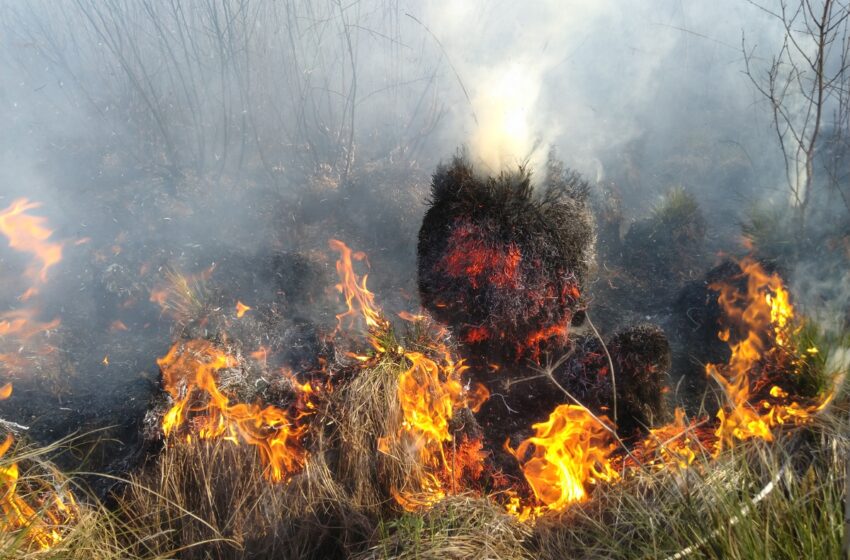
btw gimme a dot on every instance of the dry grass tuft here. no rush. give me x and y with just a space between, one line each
457 527
210 500
85 529
717 510
360 413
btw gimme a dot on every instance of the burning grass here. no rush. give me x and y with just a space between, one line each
380 455
43 519
780 500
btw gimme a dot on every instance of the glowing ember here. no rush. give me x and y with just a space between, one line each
31 508
473 259
568 454
189 375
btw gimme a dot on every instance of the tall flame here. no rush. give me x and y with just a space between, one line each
429 393
568 454
358 298
764 316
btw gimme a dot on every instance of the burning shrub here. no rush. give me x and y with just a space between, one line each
641 359
502 265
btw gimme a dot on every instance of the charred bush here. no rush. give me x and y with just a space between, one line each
697 318
522 396
502 265
667 245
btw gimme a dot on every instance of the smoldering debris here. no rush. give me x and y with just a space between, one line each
501 263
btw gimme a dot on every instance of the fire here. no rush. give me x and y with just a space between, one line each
241 309
358 298
764 317
569 453
40 513
476 395
429 393
22 323
189 375
29 234
677 444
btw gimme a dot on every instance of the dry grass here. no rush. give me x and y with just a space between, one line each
88 532
359 414
210 500
712 509
457 527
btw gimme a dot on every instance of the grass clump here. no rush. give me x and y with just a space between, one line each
209 499
81 528
457 527
783 499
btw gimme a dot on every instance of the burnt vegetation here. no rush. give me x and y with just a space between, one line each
194 159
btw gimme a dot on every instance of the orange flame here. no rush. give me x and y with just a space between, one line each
429 393
241 309
764 315
189 374
358 298
39 515
568 454
29 234
677 444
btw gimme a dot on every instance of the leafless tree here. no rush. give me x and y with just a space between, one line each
211 86
806 84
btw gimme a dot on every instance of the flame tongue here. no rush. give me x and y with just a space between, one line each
358 298
41 512
765 317
567 455
189 375
29 234
427 400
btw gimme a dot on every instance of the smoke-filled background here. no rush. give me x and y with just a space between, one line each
239 136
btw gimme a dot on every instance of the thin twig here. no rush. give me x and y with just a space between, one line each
610 364
459 81
13 427
548 372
